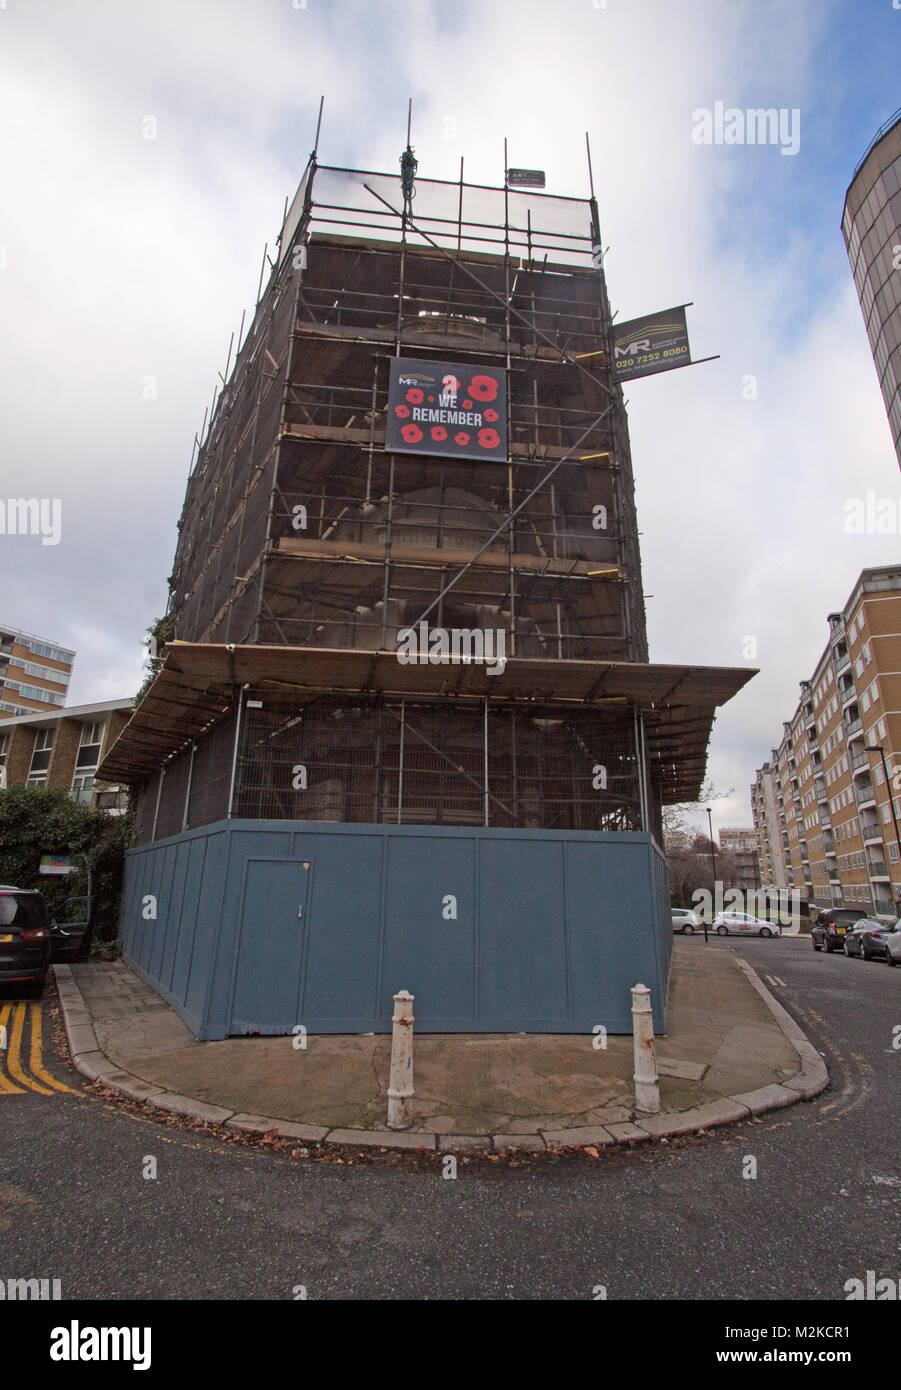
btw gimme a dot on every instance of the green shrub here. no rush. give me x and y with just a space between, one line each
35 821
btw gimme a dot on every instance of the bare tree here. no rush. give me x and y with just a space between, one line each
688 850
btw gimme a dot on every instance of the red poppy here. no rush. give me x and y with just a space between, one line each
415 396
489 439
491 416
461 438
402 411
412 434
467 405
439 433
483 388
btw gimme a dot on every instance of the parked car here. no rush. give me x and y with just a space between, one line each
24 939
893 944
867 939
743 924
833 925
686 920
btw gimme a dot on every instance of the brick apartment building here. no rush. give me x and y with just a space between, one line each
740 843
34 673
823 812
64 749
870 222
769 826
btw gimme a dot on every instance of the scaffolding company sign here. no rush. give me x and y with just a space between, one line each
446 408
655 343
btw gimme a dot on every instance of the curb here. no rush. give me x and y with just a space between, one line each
811 1078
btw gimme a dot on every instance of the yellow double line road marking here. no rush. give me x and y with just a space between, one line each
16 1075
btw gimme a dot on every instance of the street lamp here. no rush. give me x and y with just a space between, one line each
880 749
712 846
713 860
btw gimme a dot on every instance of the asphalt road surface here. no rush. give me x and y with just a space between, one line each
662 1221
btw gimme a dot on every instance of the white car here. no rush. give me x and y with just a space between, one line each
893 945
687 920
743 924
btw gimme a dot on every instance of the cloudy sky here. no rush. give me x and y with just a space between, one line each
145 153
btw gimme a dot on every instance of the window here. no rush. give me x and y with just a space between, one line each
53 653
45 672
90 746
34 692
113 799
40 757
82 789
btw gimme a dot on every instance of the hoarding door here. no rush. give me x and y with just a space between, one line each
271 947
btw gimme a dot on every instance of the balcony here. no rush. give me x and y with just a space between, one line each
853 727
877 868
859 761
865 794
841 659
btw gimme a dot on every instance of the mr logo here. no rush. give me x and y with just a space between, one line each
640 345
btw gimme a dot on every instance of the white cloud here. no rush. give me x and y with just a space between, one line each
130 258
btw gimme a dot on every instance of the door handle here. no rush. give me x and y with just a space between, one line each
300 912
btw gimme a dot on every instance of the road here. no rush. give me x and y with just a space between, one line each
662 1221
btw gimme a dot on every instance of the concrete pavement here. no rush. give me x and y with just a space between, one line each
731 1051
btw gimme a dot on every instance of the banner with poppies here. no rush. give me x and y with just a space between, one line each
451 409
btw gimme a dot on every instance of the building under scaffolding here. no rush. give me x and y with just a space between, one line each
317 534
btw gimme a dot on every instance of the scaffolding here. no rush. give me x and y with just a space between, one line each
298 526
307 548
397 761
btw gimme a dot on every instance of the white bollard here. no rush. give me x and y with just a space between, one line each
400 1084
647 1091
